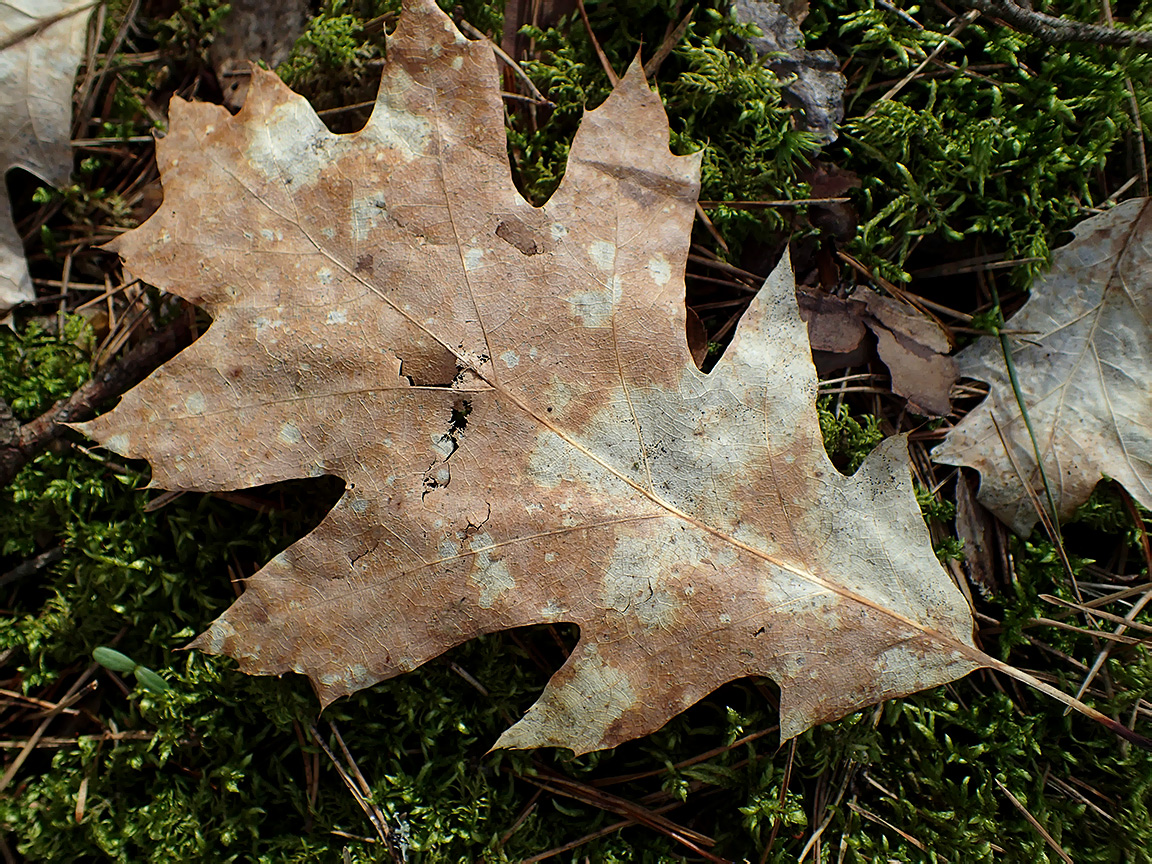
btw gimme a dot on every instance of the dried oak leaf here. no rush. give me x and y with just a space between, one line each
40 46
1084 367
508 394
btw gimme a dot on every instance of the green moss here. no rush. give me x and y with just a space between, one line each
221 775
720 101
329 59
37 367
848 439
189 30
1009 154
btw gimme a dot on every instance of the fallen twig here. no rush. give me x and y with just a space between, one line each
1054 31
109 382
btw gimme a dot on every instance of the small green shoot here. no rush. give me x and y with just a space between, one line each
112 659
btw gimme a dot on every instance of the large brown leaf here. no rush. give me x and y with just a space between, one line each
1084 368
508 393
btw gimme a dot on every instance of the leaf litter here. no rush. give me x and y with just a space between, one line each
1084 367
914 347
508 395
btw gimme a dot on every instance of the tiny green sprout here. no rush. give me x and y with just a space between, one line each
989 322
150 680
112 659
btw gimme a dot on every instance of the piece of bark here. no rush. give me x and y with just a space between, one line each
915 349
906 321
814 82
834 324
835 329
836 218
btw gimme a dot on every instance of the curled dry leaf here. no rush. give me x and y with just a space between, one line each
40 46
508 394
915 349
1084 366
913 346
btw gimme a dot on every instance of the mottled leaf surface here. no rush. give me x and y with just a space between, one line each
508 393
40 45
1084 366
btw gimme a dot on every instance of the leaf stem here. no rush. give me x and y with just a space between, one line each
1010 365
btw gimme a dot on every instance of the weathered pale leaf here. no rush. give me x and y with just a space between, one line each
508 393
1084 365
40 46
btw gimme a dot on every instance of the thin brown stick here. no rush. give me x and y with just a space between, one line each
92 84
307 759
670 41
378 825
1055 31
613 78
49 742
1116 596
1032 820
784 784
1108 637
814 840
606 801
695 760
872 817
976 264
900 13
1134 107
1106 649
1064 699
913 300
967 19
32 565
727 268
527 811
539 97
73 694
343 109
1050 528
778 202
17 696
595 835
1097 613
710 228
100 143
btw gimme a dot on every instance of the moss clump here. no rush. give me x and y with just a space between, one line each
37 367
1007 144
720 99
847 438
